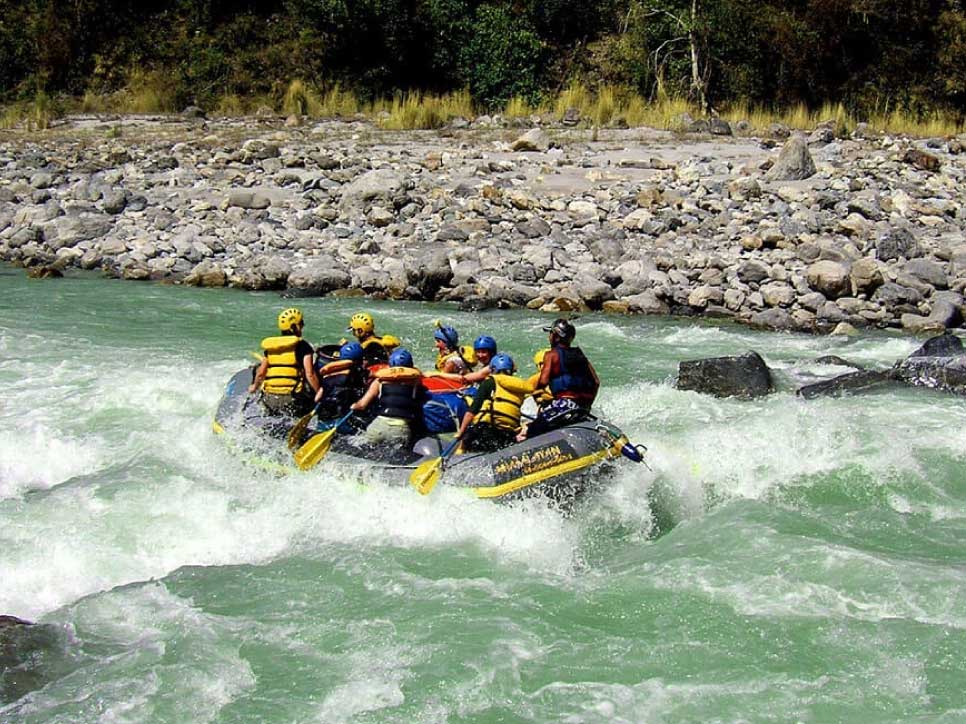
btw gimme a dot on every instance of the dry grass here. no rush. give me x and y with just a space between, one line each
418 111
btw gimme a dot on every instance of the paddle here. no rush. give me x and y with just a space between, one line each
318 445
426 475
298 429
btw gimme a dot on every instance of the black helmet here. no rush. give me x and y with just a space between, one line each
563 329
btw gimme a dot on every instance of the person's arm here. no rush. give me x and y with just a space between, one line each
259 376
363 402
477 376
467 419
546 372
310 374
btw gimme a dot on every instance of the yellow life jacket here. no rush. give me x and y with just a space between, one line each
399 375
284 376
443 357
386 341
335 367
502 410
541 395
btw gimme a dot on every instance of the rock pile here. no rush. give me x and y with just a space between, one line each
823 231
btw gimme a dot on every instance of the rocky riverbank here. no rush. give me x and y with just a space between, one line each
801 232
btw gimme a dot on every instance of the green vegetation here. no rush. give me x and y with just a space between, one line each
418 63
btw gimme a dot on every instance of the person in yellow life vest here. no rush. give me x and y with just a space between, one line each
449 355
286 376
494 418
399 395
541 395
376 348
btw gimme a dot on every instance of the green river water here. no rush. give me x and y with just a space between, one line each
784 560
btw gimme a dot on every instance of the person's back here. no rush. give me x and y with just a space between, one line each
398 395
286 376
343 381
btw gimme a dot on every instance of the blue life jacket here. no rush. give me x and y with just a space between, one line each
575 379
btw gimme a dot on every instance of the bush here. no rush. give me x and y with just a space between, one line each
502 58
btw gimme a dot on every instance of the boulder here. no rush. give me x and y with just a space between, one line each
31 655
745 376
794 161
943 345
830 278
859 381
245 199
319 276
383 187
207 274
536 139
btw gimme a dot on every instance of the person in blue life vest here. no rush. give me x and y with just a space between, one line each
399 396
571 379
493 419
341 382
286 376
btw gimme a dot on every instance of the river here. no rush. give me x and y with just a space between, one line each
783 560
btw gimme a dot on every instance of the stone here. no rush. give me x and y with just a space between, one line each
536 139
244 199
207 274
927 271
319 276
895 243
384 187
943 345
746 376
865 276
922 160
794 161
753 271
830 278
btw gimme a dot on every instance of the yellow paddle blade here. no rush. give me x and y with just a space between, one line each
314 450
298 430
426 475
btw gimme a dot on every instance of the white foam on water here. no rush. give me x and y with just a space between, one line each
789 577
34 456
158 658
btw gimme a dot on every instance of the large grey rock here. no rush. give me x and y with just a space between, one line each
319 276
383 187
245 199
745 376
895 243
794 161
68 231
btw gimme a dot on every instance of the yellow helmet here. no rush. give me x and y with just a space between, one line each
538 356
361 323
289 318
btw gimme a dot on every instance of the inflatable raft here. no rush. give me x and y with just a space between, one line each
561 464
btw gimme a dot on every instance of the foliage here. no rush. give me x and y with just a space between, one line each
877 58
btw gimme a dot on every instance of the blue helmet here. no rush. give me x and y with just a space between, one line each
448 336
351 351
502 363
485 341
401 358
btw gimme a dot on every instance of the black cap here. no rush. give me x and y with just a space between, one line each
562 328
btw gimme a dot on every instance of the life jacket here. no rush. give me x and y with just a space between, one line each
502 409
343 382
399 392
575 379
461 364
386 341
284 374
541 395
